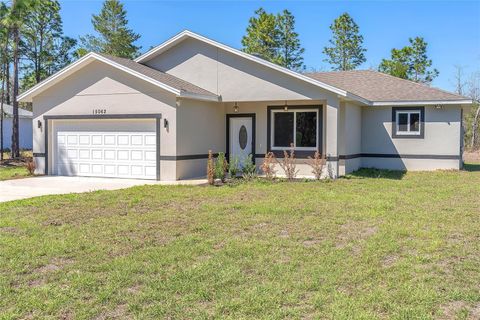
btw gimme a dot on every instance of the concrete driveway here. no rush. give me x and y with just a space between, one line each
40 186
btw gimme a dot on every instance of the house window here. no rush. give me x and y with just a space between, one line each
297 127
408 122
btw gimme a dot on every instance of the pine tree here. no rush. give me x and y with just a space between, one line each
43 45
346 52
13 21
410 62
290 50
115 37
262 38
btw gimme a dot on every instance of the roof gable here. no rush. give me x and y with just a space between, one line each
188 34
167 82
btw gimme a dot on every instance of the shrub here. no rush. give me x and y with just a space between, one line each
268 166
233 167
221 167
249 169
317 163
210 168
30 165
288 164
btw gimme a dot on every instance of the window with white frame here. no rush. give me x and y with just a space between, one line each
408 122
298 127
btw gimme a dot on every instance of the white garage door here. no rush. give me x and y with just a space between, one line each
107 154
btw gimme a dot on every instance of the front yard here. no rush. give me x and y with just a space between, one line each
374 245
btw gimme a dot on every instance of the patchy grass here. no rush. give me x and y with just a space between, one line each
374 245
12 172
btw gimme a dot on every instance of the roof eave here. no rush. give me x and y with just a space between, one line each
422 103
196 96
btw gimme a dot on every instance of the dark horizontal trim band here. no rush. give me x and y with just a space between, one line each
39 155
104 116
401 156
187 157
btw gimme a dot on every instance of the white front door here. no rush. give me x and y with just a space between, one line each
241 138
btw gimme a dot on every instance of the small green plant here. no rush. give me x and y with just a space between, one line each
249 169
210 168
233 167
221 167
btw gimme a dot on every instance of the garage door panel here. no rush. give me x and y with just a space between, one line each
107 154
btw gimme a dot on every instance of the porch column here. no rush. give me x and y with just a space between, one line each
332 117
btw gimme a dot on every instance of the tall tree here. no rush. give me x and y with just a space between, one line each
14 21
114 36
411 62
4 61
44 47
346 51
290 50
262 38
474 94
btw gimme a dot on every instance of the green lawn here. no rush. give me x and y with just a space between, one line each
374 245
12 172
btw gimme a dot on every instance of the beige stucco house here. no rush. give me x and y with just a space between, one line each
157 117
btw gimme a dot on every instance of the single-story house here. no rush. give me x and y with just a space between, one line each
24 127
158 116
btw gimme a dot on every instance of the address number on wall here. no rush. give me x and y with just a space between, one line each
99 111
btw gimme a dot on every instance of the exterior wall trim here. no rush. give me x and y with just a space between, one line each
239 115
104 116
401 156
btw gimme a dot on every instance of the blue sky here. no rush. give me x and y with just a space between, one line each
451 28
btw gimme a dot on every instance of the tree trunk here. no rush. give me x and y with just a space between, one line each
15 128
475 129
4 72
7 77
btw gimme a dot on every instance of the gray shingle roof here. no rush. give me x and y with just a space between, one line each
379 87
22 113
160 76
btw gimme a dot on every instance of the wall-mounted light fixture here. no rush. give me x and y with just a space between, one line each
39 124
165 123
235 107
285 108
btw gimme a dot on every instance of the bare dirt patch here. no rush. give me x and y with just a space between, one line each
284 234
311 242
11 230
354 231
120 312
389 261
135 289
450 309
54 265
36 283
